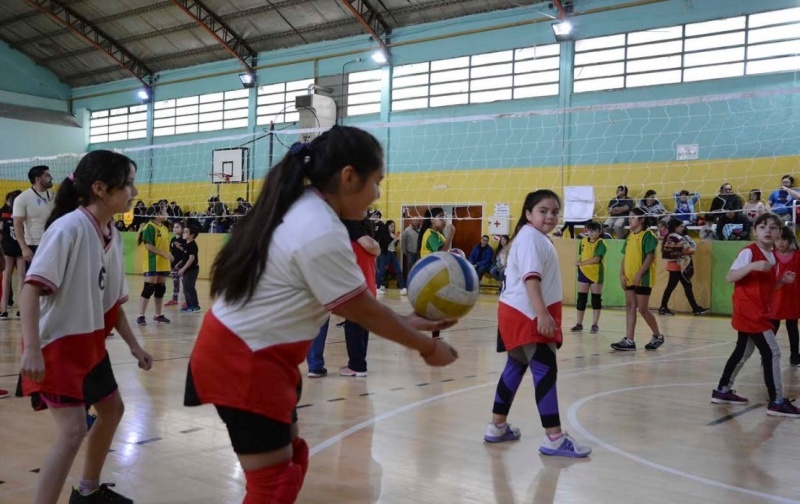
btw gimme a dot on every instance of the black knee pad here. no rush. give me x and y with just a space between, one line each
160 290
597 302
582 298
148 290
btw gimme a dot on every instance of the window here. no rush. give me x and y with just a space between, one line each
196 114
364 92
124 123
276 101
528 72
773 42
766 42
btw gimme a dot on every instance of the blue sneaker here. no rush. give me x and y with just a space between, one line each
565 446
495 434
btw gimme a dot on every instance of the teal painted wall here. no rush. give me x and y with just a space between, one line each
758 127
21 75
24 83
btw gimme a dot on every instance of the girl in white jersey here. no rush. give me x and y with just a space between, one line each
288 263
529 326
69 306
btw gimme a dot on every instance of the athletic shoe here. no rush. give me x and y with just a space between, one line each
595 329
195 309
90 419
665 311
404 292
186 310
624 345
161 319
729 397
495 434
655 342
18 315
102 495
184 305
3 393
577 328
701 311
565 446
141 321
794 360
346 371
785 409
340 324
319 373
4 315
171 302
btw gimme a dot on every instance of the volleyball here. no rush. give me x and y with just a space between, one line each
458 252
443 285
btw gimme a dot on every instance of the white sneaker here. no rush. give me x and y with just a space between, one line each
495 434
383 287
404 292
565 446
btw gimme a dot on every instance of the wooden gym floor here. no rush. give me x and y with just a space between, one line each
412 434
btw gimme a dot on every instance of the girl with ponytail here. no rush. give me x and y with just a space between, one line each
288 263
71 300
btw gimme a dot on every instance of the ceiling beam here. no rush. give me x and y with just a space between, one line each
221 32
371 20
87 31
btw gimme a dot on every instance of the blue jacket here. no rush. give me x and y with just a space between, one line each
481 256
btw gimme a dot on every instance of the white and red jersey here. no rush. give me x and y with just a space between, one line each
247 353
80 268
532 255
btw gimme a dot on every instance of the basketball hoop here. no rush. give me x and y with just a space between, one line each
221 178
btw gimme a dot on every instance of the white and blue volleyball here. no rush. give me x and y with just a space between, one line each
443 285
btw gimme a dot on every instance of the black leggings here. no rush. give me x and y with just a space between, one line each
674 278
794 335
770 361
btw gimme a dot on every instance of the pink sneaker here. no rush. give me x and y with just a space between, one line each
3 393
171 302
346 371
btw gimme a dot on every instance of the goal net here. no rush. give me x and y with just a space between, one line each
485 164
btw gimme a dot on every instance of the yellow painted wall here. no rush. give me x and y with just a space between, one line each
510 185
504 185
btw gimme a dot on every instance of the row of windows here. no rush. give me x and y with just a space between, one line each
767 42
208 112
505 75
124 123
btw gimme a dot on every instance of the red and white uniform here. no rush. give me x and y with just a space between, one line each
247 353
532 255
753 295
81 269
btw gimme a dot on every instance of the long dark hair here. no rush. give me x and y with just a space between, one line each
430 213
531 200
320 162
105 166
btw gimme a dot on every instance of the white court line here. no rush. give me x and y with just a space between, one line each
572 415
408 407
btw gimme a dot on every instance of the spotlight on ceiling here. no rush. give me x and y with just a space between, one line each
563 31
248 79
145 95
379 57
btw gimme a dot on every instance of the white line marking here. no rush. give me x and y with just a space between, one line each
572 415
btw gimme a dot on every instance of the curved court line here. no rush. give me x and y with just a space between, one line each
389 414
408 407
572 415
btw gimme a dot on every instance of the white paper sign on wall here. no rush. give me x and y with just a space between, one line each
688 152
